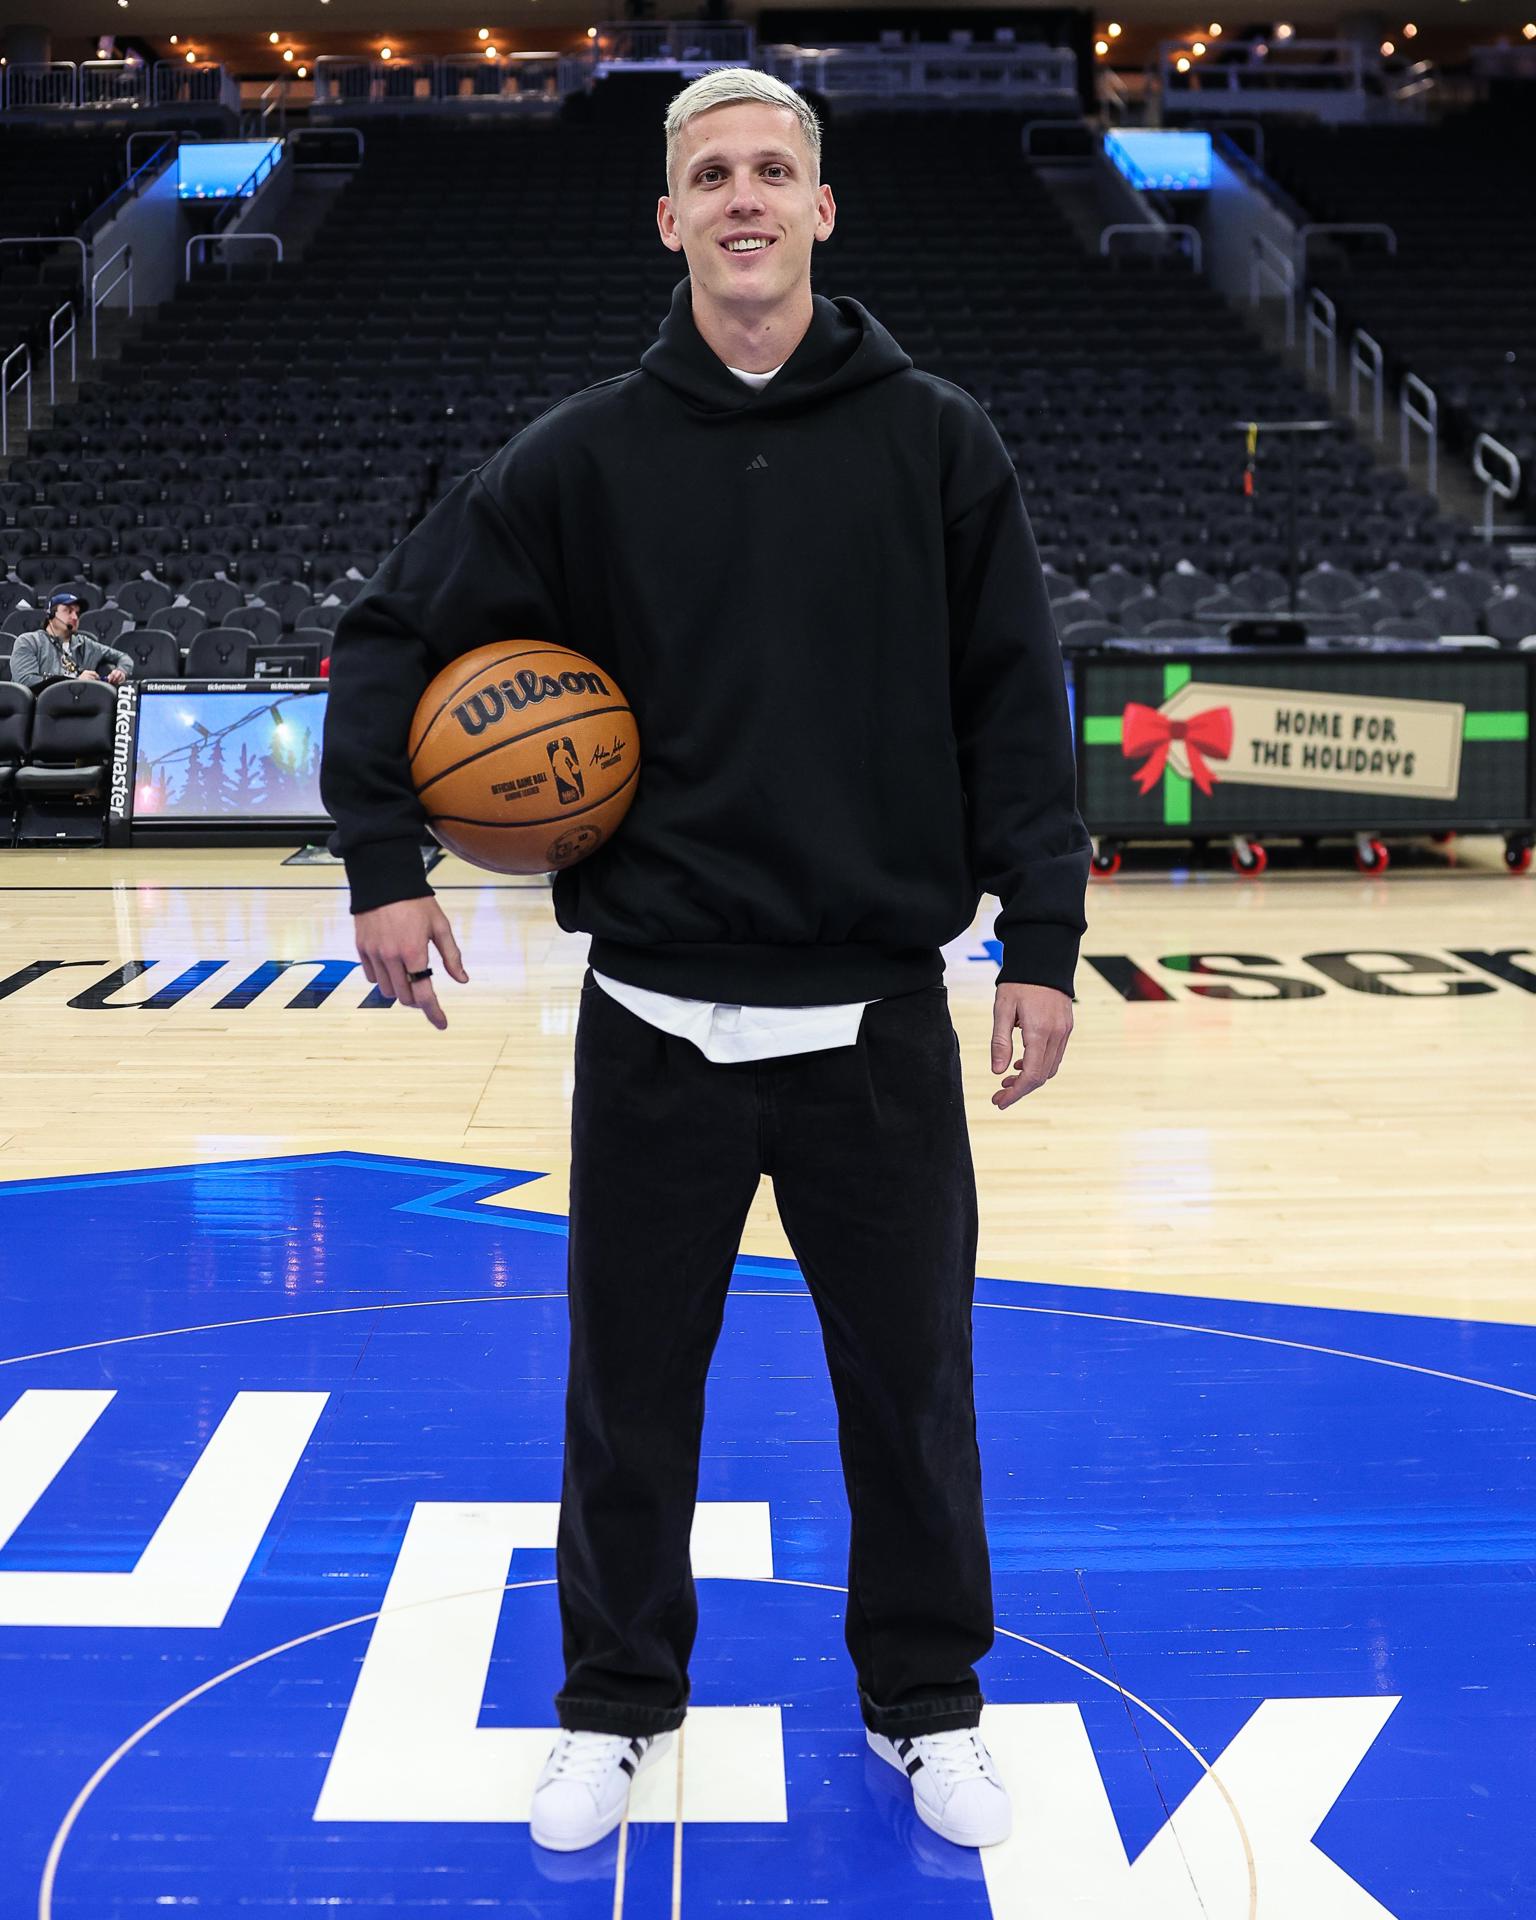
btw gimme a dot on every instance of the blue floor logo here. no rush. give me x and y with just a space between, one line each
279 1464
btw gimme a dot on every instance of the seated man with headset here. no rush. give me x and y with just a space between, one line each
57 652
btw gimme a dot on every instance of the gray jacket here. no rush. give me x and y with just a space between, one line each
36 658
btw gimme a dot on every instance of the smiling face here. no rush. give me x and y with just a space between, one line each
745 207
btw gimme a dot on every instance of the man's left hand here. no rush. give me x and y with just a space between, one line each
1043 1017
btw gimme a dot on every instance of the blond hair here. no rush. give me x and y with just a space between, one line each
729 87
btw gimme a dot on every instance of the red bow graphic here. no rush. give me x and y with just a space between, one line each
1145 730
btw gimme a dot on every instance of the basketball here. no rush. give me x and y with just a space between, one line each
525 756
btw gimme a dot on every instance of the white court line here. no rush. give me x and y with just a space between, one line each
677 1832
618 1872
266 1319
77 1805
1219 1333
795 1293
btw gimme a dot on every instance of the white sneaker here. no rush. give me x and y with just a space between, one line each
955 1786
584 1788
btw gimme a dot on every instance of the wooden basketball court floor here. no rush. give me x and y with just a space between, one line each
280 1377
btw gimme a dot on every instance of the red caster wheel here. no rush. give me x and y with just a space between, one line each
1248 857
1106 862
1517 855
1371 856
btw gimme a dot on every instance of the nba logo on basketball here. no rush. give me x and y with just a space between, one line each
569 784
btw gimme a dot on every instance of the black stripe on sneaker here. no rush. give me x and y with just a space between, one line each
903 1747
913 1766
627 1766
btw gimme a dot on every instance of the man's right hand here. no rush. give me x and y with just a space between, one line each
393 942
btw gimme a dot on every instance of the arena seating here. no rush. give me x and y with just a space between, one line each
1457 306
271 433
49 182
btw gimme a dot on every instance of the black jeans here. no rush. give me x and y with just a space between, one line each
871 1167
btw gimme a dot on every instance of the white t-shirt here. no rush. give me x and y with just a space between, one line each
722 1032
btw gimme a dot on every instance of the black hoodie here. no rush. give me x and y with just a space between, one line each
823 601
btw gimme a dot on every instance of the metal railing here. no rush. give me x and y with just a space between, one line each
1322 323
225 240
263 168
8 386
68 84
40 83
193 83
1366 361
52 240
1114 97
1426 417
1416 86
1260 73
125 272
273 98
1266 260
714 43
1193 250
1505 488
975 74
138 178
110 83
518 79
148 133
1256 128
56 340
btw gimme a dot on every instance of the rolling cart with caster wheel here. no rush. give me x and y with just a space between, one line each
1362 742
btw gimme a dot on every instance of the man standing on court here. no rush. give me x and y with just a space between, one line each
809 567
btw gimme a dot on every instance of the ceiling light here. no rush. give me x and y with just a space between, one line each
191 57
591 33
1198 48
174 38
1101 46
274 38
1182 63
1215 29
1114 29
1284 30
1410 31
490 53
386 53
1529 29
485 33
1387 49
287 53
303 73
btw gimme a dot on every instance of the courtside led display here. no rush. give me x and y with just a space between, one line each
237 754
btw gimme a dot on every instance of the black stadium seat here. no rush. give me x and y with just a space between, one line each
15 734
154 653
262 623
185 622
219 653
67 761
